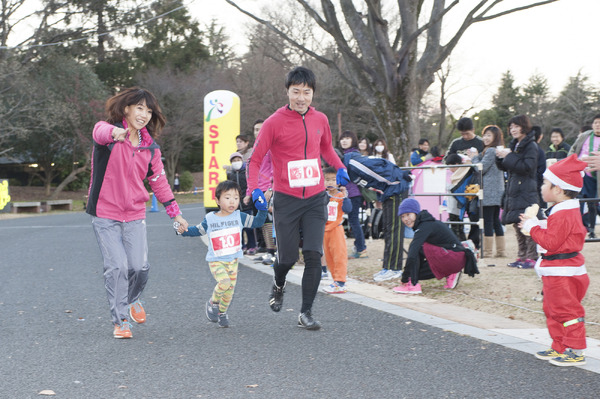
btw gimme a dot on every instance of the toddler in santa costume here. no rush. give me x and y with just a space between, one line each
562 266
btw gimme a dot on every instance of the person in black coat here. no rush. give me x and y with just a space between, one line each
434 252
520 161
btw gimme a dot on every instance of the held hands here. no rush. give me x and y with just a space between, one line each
180 224
119 134
342 178
260 202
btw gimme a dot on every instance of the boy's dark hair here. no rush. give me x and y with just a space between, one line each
301 75
329 170
423 141
242 137
226 186
523 121
435 151
464 124
569 193
559 131
453 159
258 121
352 135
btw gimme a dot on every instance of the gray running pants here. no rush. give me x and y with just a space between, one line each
124 250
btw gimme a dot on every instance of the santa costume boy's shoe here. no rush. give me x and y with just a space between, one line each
569 358
408 288
452 281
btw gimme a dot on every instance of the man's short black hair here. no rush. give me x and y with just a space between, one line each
301 75
329 170
464 124
423 141
453 159
559 131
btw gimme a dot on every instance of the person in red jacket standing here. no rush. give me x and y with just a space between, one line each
124 155
562 266
298 136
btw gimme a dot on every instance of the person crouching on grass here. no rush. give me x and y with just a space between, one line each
434 252
334 243
562 266
224 230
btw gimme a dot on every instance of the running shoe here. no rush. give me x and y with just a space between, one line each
357 255
388 275
123 330
408 288
452 280
516 263
223 320
547 354
527 264
137 312
335 288
569 358
212 311
306 320
276 297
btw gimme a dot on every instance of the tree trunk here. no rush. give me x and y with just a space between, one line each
71 177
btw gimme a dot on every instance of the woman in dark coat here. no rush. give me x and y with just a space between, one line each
434 252
520 162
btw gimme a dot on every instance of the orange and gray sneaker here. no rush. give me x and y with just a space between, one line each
123 330
137 312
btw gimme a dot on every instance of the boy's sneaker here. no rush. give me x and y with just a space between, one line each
547 354
223 320
516 263
137 312
212 311
452 281
305 320
276 297
335 288
569 358
527 264
357 255
123 330
388 275
408 288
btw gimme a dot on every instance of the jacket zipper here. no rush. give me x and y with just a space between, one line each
305 145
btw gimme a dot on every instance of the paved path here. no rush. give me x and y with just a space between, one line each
55 333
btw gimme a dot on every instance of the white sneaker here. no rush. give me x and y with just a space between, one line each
388 275
335 289
379 273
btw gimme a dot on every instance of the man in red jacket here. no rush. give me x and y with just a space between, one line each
297 136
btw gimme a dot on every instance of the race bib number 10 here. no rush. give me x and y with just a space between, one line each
226 241
304 173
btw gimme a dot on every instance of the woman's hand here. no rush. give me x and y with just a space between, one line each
119 134
183 224
503 152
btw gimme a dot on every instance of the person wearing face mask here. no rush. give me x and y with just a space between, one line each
380 150
237 173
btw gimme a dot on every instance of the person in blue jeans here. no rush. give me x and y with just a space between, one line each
349 143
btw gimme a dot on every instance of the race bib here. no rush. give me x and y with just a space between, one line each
304 173
332 211
226 241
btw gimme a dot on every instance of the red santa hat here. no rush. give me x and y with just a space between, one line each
567 173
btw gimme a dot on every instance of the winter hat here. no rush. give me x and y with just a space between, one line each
409 205
235 154
567 173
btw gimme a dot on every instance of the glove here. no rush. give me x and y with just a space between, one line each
408 177
260 202
342 177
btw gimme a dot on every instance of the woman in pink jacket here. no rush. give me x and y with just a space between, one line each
124 155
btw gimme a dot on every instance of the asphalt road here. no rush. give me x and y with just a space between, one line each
56 334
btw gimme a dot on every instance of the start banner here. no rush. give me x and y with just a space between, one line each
221 126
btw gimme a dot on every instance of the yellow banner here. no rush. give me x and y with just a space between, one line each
4 196
221 126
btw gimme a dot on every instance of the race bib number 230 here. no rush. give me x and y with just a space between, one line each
304 173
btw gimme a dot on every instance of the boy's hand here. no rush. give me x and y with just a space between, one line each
344 191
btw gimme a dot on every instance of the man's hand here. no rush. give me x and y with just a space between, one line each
593 161
342 178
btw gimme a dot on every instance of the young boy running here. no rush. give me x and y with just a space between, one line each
562 266
224 230
334 242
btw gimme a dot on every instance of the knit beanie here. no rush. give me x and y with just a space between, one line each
409 205
567 173
235 154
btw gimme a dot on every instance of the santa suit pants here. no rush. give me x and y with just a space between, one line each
562 303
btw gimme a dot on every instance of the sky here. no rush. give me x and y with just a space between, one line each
554 40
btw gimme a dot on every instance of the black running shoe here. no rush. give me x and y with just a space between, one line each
305 320
276 297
